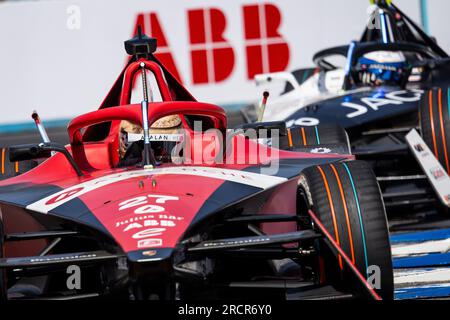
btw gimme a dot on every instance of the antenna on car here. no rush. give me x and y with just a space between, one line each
142 47
41 128
262 108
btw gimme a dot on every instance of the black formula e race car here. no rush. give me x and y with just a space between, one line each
392 85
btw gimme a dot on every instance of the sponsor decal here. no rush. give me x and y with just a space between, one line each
143 220
366 104
122 223
148 233
434 171
303 121
170 217
149 243
150 223
248 178
419 147
142 203
235 242
63 258
150 253
167 137
389 99
321 150
437 173
133 137
143 207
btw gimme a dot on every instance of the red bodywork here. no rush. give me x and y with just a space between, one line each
140 208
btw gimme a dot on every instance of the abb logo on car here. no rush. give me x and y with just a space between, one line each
146 223
212 56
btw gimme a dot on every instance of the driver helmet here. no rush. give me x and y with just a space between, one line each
131 139
382 67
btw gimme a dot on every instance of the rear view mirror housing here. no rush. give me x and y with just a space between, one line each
25 152
35 151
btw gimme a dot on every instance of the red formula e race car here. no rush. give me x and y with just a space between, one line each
158 200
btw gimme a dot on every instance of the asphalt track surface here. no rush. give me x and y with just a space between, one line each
56 135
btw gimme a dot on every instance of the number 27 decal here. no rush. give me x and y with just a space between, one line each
143 205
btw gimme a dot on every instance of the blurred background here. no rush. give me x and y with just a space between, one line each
61 57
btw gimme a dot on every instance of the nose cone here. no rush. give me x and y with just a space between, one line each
149 211
148 220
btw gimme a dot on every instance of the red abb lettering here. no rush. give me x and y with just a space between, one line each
212 56
150 25
266 49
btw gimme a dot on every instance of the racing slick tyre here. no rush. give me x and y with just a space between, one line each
435 123
324 138
346 198
10 169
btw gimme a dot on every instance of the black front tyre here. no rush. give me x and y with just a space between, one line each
346 198
435 123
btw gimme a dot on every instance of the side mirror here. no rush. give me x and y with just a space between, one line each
25 152
41 150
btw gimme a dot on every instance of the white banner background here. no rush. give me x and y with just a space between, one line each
62 73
